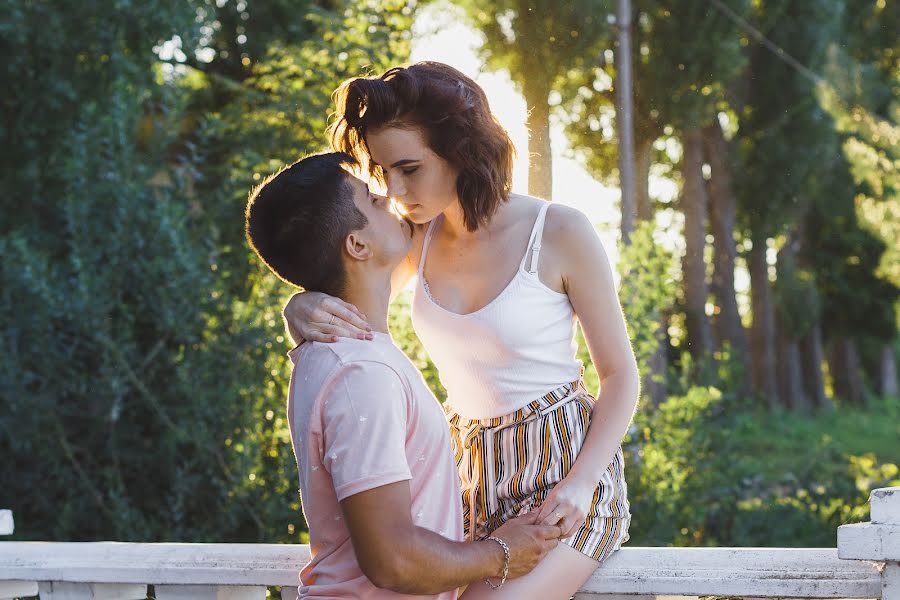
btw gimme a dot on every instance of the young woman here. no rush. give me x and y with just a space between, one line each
501 279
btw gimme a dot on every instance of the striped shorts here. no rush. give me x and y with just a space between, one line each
507 466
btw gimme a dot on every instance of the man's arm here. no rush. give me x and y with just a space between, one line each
397 555
364 437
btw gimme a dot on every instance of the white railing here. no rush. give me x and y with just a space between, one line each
866 564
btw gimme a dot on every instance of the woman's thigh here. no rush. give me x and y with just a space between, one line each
557 577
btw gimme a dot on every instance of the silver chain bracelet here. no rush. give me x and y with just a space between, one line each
503 545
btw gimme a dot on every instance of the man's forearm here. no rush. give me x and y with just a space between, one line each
430 563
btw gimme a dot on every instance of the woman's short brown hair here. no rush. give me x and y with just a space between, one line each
453 114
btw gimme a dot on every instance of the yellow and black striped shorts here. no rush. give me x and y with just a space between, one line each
507 466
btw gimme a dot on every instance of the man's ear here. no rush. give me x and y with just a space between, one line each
357 246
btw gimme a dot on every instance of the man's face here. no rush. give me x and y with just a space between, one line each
390 235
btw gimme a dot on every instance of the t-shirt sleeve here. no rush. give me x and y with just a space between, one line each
364 428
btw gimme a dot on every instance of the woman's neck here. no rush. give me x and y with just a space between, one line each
454 225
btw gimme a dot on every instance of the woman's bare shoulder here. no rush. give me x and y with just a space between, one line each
568 233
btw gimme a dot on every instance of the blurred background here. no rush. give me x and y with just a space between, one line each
143 373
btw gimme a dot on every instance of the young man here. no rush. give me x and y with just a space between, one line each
377 476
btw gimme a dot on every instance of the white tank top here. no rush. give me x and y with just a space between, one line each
513 350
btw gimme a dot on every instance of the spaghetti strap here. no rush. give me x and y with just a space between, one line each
534 242
426 243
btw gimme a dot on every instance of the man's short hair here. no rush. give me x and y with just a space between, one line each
297 221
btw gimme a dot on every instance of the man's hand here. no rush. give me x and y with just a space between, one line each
318 317
529 542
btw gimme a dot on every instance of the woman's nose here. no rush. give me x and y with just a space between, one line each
395 189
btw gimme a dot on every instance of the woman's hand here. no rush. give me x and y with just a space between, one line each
318 317
567 504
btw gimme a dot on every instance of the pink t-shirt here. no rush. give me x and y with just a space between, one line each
361 416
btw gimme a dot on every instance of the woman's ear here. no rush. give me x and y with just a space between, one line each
357 246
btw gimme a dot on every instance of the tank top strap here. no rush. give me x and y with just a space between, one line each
426 243
534 242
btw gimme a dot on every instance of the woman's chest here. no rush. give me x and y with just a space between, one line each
466 278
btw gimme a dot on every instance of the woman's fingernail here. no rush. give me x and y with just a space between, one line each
370 337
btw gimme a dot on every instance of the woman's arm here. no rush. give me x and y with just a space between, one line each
588 280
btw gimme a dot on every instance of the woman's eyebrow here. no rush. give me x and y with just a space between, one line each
405 161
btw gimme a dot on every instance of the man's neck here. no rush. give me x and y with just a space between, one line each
371 294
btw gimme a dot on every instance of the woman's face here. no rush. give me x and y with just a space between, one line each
420 181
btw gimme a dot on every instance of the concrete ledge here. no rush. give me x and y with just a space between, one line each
869 541
745 572
885 506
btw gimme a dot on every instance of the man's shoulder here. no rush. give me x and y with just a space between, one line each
350 351
349 356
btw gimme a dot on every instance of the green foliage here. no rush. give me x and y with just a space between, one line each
538 40
712 471
144 374
648 280
678 82
863 98
60 56
102 350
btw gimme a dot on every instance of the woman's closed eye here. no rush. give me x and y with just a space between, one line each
409 171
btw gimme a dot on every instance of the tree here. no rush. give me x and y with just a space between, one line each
723 220
810 205
864 99
138 328
536 41
781 130
678 87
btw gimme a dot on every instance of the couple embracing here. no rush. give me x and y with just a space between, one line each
514 488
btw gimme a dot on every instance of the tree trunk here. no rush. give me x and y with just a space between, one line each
790 370
653 383
762 331
790 374
888 372
813 355
723 216
540 158
643 158
694 207
624 118
844 364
